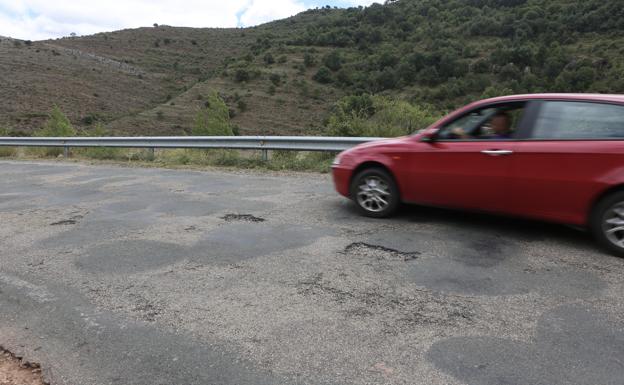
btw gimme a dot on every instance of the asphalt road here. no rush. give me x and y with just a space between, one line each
113 275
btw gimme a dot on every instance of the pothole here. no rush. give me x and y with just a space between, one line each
71 221
146 310
242 218
14 371
379 252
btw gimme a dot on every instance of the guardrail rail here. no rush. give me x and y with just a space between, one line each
263 143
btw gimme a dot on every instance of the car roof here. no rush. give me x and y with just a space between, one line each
611 98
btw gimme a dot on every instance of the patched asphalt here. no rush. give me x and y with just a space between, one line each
120 275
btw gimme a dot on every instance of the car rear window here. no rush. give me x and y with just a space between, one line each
579 120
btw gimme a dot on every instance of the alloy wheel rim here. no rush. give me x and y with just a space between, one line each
613 224
373 194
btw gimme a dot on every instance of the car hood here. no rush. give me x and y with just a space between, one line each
381 143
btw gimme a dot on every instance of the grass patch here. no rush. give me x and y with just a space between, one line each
101 153
8 152
278 160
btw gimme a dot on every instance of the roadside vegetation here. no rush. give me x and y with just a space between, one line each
57 125
212 120
6 151
377 116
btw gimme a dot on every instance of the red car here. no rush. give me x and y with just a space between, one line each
554 157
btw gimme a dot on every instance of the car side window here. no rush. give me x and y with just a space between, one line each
498 122
579 120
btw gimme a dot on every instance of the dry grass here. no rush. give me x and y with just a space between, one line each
278 160
7 152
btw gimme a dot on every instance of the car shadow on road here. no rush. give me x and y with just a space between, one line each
510 227
520 228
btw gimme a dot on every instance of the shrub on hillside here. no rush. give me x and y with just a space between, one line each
323 75
276 79
269 59
575 79
367 115
214 119
91 118
57 125
243 71
333 61
495 91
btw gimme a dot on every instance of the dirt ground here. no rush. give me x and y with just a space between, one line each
12 373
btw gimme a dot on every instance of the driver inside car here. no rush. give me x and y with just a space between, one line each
499 127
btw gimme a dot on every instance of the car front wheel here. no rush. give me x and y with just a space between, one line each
607 223
375 193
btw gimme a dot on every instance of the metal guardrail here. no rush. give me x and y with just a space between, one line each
264 143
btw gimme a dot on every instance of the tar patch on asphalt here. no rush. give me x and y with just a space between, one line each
242 218
379 252
573 344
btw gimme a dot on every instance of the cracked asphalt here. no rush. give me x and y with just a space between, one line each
120 275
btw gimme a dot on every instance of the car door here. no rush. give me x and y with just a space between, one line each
574 151
470 173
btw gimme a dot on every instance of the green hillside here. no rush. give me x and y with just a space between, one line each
447 52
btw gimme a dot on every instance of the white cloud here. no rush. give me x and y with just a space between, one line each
37 19
262 11
42 19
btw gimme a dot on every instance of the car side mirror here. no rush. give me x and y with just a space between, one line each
430 136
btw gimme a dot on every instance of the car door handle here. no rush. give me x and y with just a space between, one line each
497 152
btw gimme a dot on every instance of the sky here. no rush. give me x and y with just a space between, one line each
45 19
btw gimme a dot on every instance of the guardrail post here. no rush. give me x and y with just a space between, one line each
150 152
65 152
265 155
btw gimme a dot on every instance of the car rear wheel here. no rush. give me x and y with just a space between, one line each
375 193
607 223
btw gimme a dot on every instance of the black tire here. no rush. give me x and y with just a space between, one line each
381 176
598 225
